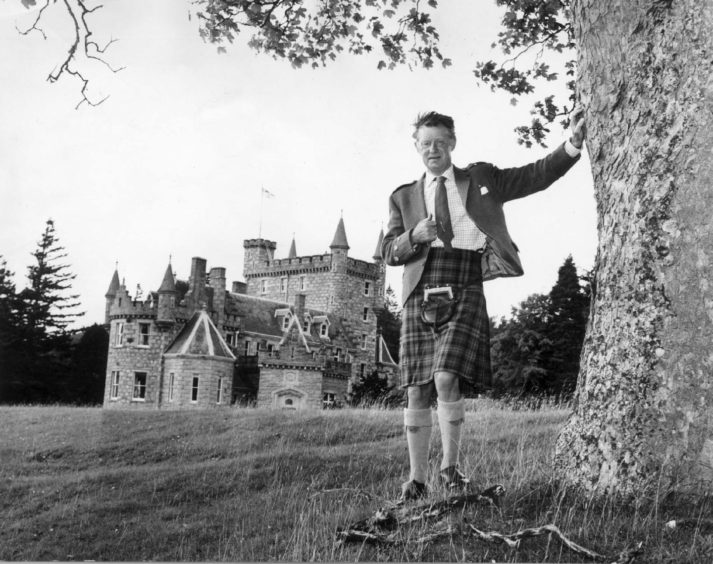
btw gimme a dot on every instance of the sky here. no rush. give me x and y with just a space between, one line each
172 164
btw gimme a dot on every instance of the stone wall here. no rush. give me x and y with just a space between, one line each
210 371
131 357
290 387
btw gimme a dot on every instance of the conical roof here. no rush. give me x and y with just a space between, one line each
340 237
113 285
168 284
377 252
200 337
293 250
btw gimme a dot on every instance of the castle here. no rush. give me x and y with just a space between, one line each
293 335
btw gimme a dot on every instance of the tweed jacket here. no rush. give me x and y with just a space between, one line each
484 189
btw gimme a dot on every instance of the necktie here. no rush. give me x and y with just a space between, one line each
444 230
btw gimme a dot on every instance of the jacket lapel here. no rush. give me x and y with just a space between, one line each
463 183
420 200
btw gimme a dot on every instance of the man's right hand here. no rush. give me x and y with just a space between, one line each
425 231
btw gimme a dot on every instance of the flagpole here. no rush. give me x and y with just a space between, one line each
259 229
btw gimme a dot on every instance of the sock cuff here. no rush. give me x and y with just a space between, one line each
451 410
418 418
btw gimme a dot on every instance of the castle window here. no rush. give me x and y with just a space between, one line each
286 322
283 285
323 330
114 394
305 326
302 283
219 399
362 369
119 342
194 390
365 315
230 338
363 341
328 400
367 288
144 332
263 286
171 385
139 386
337 354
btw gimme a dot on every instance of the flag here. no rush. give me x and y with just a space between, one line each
267 193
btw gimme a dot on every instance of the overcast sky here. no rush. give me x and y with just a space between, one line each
172 164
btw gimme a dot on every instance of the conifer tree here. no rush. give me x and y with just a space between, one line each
49 307
568 312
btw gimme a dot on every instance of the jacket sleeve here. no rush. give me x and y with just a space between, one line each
397 247
518 182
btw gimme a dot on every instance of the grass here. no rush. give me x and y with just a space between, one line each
248 485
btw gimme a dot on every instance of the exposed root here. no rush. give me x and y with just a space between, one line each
387 526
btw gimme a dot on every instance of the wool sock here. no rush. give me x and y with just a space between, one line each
450 419
418 424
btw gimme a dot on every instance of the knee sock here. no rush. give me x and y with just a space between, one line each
418 424
450 419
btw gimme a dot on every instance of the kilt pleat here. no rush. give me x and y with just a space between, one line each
460 346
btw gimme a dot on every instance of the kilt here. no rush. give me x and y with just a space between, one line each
461 345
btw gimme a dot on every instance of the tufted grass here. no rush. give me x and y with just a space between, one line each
249 485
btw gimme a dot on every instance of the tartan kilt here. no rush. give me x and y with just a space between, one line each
460 346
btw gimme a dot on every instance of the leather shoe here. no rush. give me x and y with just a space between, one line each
412 490
452 478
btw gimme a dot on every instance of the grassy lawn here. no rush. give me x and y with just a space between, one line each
246 484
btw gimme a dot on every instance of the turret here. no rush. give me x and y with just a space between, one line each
111 294
258 255
377 252
167 298
339 247
293 249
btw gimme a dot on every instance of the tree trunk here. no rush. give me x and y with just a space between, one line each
644 401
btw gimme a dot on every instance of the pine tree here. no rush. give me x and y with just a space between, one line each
49 309
10 335
45 308
568 312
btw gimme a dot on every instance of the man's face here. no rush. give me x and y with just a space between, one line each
434 144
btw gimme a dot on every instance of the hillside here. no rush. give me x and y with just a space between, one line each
245 484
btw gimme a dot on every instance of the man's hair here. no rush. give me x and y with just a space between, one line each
434 119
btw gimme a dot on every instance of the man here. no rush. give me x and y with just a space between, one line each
448 231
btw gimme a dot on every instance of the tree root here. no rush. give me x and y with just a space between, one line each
386 526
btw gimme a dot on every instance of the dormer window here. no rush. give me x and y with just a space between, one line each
323 330
307 323
286 322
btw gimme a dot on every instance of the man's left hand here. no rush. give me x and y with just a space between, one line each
579 129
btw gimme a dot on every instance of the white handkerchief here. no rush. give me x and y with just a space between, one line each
483 190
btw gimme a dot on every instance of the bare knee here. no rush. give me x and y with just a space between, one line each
419 397
447 386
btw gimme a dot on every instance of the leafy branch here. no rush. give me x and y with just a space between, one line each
527 26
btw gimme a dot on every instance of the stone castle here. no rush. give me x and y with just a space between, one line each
295 334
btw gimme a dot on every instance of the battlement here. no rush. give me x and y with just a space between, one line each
280 267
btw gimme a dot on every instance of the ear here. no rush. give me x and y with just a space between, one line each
453 143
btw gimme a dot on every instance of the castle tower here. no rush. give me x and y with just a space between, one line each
258 255
167 298
339 280
111 294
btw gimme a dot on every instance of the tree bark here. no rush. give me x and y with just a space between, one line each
643 406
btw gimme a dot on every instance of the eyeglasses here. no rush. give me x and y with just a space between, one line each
439 144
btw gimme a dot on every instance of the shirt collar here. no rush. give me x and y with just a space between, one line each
449 174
